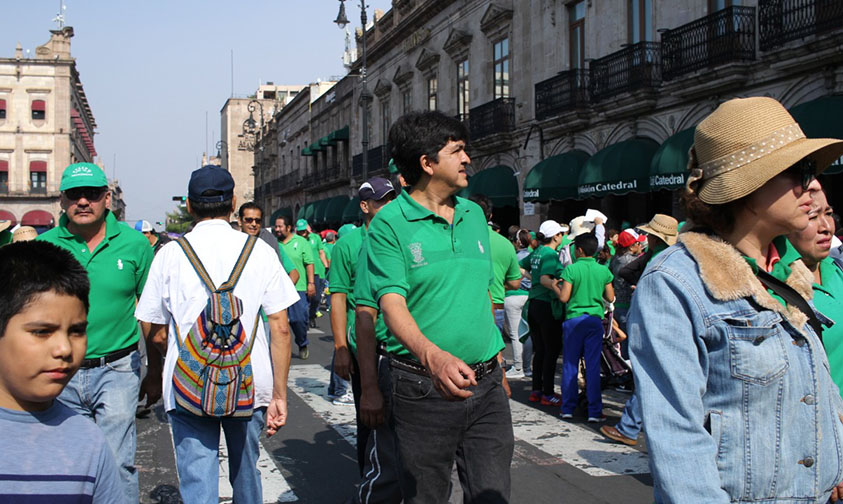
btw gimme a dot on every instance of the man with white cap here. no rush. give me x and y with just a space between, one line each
156 241
662 231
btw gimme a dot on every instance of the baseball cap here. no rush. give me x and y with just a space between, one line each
376 188
301 225
551 228
143 226
82 175
210 178
628 237
391 167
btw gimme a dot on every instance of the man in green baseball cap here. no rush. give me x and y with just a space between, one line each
320 266
117 260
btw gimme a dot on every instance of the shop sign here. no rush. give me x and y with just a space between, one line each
667 180
530 208
531 193
610 187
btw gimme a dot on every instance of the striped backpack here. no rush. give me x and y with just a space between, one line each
213 374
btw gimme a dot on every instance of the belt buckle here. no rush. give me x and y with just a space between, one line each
102 361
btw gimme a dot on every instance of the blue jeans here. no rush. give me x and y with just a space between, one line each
197 441
108 395
630 422
583 337
314 301
499 319
297 314
337 386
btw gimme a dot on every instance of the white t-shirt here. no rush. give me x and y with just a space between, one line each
174 294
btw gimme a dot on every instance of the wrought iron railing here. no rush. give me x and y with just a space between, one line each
496 116
376 164
726 36
562 92
634 67
781 21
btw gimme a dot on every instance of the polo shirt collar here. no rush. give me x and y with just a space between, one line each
211 223
413 211
831 275
112 226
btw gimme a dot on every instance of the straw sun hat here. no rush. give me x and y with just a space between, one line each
662 226
745 143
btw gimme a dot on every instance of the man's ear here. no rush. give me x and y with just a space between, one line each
426 164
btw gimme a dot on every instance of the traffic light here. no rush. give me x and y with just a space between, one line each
180 199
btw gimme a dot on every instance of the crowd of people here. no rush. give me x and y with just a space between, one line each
720 327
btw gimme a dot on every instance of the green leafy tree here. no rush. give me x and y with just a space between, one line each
178 220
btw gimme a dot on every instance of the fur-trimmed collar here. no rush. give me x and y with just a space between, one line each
728 277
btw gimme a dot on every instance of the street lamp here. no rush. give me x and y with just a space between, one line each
365 97
220 145
250 128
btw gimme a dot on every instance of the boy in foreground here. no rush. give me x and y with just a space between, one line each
50 453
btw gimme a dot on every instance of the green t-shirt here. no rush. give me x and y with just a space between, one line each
316 243
543 261
301 253
343 274
286 262
504 264
588 279
365 297
117 270
329 249
828 299
781 270
442 270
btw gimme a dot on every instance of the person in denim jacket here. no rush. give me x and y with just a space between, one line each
737 400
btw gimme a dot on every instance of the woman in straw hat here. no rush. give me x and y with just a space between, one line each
737 400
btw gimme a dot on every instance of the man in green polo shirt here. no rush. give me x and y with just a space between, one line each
430 268
320 264
117 260
300 251
585 284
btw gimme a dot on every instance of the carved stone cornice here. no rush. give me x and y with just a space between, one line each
496 20
403 76
382 88
427 61
457 44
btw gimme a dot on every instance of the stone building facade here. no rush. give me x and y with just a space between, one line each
581 103
46 124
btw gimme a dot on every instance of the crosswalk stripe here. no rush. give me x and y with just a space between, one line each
574 444
275 487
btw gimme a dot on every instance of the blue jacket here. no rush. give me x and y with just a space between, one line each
738 403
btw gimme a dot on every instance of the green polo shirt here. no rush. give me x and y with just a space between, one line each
117 270
316 243
504 265
543 261
329 249
343 274
286 262
365 297
781 270
828 299
301 253
588 279
443 271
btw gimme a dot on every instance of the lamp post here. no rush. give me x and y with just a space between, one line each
220 145
250 125
365 97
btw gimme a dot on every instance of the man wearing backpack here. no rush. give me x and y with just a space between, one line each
202 298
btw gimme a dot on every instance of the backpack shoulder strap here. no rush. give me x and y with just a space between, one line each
196 263
241 263
792 298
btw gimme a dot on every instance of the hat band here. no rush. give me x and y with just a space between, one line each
775 141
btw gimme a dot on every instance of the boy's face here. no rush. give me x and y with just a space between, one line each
42 348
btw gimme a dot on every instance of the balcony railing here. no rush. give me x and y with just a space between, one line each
634 67
724 37
376 163
781 21
496 116
562 92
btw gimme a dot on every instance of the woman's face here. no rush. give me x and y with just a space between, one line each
814 242
782 205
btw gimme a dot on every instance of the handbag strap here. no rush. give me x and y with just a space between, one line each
792 298
203 274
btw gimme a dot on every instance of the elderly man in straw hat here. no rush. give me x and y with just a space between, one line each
733 381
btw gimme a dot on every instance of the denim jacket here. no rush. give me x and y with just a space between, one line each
738 403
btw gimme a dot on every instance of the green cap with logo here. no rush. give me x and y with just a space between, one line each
82 175
301 225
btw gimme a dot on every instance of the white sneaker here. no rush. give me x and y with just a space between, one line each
514 374
346 399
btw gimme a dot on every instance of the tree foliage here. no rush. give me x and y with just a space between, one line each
178 220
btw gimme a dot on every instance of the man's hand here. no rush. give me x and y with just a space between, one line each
276 415
451 376
342 363
505 385
150 388
837 493
311 289
371 407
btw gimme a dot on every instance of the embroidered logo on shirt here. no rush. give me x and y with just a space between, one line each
119 264
480 246
416 251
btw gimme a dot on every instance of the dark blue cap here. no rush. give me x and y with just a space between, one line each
375 189
210 178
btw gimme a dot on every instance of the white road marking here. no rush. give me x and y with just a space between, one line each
574 444
274 486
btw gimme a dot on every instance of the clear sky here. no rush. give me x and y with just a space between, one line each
153 69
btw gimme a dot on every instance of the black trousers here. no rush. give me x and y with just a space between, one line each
546 334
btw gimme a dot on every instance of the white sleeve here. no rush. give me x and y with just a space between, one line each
279 293
152 305
600 233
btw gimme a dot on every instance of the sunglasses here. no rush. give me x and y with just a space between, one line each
89 193
805 171
251 220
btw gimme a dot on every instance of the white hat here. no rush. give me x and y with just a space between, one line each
551 228
592 214
581 225
143 226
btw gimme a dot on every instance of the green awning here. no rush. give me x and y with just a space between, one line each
618 169
555 178
669 167
820 118
497 183
351 212
285 212
306 212
307 151
326 141
335 208
319 211
340 134
314 147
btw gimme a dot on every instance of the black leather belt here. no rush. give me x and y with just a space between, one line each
105 359
480 369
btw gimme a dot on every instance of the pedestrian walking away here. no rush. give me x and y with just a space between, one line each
301 252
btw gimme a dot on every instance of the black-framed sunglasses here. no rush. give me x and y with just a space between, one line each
251 220
805 171
89 193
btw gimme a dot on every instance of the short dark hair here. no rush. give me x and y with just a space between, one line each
249 205
287 220
30 268
204 210
587 242
484 202
707 217
417 134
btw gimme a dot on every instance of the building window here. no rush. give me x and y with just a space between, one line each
432 88
501 50
38 177
385 122
640 21
406 101
576 13
716 5
39 110
463 95
4 176
2 109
